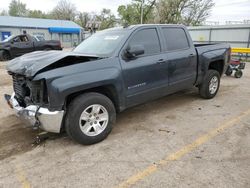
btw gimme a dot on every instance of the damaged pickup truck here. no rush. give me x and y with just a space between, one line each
83 90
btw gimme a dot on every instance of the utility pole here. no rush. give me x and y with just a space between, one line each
142 2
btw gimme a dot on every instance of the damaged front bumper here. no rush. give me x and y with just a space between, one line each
35 116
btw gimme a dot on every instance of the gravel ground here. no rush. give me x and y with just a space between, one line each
142 137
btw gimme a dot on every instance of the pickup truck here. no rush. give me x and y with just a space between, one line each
21 44
81 92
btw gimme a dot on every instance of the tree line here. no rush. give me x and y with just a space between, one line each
187 12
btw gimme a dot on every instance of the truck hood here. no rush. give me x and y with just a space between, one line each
32 63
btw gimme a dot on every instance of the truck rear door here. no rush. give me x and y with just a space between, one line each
181 57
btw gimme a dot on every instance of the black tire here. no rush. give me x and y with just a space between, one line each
229 72
238 74
5 55
204 87
77 107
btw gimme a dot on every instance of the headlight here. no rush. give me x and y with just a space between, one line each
39 92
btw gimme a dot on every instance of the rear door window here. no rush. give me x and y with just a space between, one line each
176 39
149 39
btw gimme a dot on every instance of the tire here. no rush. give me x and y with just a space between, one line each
238 74
210 85
88 130
5 56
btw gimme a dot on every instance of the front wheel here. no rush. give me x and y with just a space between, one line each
89 118
5 55
229 71
210 85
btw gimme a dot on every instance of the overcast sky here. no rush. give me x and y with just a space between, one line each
233 10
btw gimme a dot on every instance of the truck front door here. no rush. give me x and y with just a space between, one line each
26 44
21 45
146 74
16 49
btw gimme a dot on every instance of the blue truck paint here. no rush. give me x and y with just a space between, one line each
132 81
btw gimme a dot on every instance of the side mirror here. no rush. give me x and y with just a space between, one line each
133 51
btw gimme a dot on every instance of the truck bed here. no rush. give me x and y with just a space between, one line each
208 47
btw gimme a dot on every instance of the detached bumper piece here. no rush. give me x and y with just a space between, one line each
35 116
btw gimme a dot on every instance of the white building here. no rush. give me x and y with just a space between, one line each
68 32
237 35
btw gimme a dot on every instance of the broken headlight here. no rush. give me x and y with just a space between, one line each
39 94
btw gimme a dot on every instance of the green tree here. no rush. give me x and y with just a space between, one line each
131 13
83 18
17 8
107 19
37 14
188 12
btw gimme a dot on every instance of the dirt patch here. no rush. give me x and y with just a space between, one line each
16 139
170 117
5 80
3 64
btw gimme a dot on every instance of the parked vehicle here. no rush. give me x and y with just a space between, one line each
81 91
18 45
236 66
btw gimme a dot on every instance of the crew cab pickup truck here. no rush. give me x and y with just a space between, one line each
18 45
82 91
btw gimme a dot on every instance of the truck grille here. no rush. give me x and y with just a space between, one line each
29 92
17 87
20 88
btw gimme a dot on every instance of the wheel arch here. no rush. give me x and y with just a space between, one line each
106 90
217 65
6 51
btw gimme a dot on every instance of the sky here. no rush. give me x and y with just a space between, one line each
224 10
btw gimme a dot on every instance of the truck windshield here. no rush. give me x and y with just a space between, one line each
101 44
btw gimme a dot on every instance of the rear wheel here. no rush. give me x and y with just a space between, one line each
238 74
210 85
89 118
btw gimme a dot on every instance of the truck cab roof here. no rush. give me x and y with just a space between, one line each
134 27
